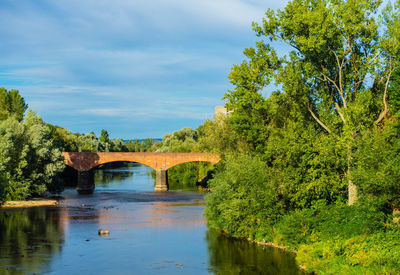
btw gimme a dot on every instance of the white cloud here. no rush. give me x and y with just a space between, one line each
159 60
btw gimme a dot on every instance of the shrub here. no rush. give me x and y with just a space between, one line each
29 161
325 223
244 199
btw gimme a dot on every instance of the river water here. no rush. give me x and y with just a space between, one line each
150 233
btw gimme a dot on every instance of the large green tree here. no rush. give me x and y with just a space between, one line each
12 103
336 68
29 160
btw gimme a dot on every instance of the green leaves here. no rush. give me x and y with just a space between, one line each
330 122
377 164
244 197
104 137
11 104
29 160
182 140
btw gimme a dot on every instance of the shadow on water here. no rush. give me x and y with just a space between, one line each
235 256
29 238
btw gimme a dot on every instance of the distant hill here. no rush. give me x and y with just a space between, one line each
155 140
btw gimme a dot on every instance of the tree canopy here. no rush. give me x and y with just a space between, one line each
12 103
335 74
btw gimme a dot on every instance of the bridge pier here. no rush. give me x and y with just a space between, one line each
85 182
161 180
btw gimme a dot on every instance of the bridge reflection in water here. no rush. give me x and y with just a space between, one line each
86 162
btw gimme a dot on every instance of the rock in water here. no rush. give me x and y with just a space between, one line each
103 232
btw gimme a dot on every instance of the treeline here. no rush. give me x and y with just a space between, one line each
75 142
30 149
186 140
315 165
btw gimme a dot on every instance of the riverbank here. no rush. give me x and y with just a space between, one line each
28 203
336 240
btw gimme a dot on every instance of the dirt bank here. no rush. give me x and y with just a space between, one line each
28 203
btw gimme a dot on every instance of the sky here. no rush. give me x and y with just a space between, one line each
135 68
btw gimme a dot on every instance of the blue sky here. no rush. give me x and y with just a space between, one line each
136 68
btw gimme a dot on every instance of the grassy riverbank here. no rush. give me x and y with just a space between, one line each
341 240
334 239
245 202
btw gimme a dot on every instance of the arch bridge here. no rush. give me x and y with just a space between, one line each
85 162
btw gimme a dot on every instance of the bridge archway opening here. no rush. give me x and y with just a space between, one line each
105 173
190 175
124 176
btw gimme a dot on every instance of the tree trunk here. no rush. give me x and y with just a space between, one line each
352 188
396 212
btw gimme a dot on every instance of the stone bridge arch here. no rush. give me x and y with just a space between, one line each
85 162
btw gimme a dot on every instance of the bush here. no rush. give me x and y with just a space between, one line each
185 174
325 223
29 161
244 199
377 163
339 239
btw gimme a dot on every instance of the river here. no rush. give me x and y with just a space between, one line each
150 233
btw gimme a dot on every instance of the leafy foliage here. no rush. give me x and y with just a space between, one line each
245 199
11 103
316 125
377 163
89 142
181 141
375 253
29 160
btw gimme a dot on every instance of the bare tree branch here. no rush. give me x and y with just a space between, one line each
340 68
385 108
327 78
318 120
338 109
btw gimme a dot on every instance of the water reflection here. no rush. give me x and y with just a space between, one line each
104 177
234 256
29 238
123 176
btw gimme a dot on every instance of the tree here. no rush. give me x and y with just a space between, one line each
29 160
245 198
104 137
11 103
217 136
182 140
89 143
338 70
105 144
118 145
